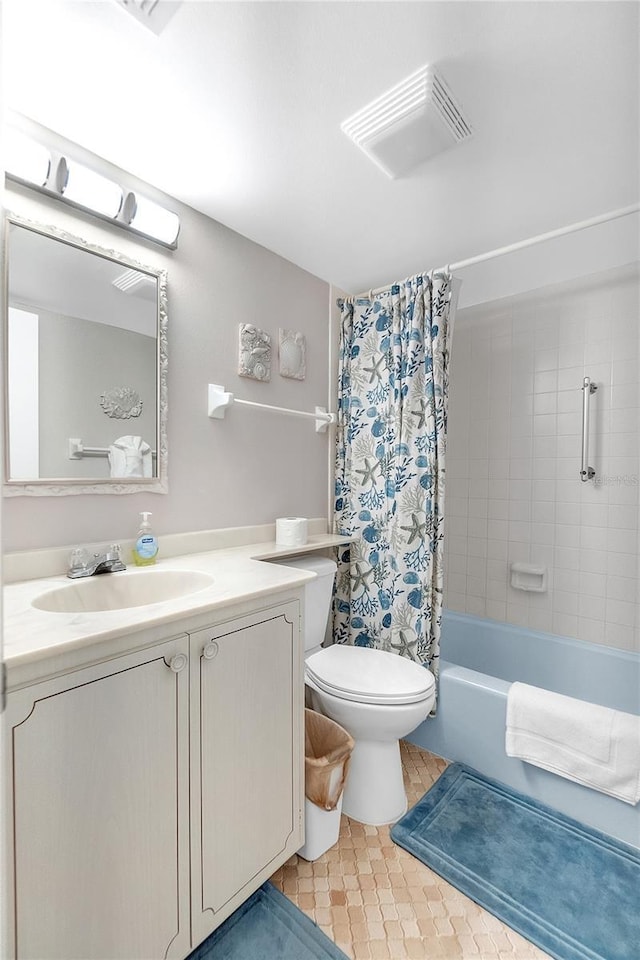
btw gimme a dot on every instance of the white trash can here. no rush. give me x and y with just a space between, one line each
321 829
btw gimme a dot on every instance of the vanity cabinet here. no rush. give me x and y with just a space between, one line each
151 793
99 772
246 770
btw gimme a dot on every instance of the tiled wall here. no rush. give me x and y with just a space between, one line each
513 459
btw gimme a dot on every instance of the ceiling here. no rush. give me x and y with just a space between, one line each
235 109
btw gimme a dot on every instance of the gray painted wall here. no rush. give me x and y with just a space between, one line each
79 361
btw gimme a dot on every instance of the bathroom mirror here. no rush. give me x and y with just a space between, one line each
85 334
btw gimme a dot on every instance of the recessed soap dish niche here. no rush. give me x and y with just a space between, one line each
526 576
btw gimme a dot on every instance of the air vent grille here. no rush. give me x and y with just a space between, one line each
154 14
450 110
136 284
411 122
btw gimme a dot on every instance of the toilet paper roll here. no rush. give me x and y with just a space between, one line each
291 531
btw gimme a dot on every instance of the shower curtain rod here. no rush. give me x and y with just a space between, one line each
521 244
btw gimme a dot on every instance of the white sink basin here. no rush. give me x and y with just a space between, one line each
117 591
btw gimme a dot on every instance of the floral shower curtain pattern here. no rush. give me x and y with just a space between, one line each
389 471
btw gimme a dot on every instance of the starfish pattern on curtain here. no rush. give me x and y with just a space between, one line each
389 469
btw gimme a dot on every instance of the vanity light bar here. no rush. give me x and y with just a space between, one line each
26 160
31 164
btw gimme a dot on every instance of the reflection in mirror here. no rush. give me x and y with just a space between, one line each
85 367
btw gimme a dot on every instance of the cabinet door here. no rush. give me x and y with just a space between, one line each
247 759
99 803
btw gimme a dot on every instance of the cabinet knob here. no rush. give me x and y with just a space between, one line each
178 662
210 650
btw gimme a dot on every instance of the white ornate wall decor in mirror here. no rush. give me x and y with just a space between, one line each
121 402
85 335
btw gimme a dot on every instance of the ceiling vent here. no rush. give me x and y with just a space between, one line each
412 122
154 14
136 284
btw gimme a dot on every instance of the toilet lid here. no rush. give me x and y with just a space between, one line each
369 676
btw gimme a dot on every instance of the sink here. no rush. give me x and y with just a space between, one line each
119 591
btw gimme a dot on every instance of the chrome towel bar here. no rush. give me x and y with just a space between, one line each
588 387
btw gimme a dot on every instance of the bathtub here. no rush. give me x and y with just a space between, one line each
479 661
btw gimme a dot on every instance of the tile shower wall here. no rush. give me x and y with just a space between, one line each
513 459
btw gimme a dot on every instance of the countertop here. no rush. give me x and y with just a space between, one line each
239 573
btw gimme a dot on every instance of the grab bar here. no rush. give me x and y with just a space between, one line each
586 472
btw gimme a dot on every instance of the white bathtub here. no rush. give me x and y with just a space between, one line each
479 661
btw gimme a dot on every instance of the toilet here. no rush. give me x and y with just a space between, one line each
378 697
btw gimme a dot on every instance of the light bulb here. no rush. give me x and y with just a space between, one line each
155 221
91 190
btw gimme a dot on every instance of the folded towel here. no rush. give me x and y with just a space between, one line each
581 741
130 457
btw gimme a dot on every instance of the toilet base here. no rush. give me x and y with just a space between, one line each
374 792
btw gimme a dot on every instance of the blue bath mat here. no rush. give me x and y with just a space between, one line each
267 927
573 891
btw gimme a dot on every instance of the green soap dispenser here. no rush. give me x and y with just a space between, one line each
145 550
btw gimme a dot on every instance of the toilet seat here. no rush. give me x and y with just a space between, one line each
365 675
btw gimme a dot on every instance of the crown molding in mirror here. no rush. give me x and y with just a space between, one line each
55 487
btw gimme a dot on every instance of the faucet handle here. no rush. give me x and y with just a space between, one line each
114 557
78 558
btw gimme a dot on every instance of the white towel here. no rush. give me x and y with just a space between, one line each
581 741
130 457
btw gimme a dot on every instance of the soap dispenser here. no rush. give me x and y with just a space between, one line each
145 550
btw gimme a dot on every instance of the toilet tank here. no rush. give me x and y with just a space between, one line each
317 596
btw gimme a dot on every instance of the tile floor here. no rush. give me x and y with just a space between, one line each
377 902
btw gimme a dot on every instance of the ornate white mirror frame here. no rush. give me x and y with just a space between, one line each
62 486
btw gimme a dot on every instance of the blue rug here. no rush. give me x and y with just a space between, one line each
267 927
573 891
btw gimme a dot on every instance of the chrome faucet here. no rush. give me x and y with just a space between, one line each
81 564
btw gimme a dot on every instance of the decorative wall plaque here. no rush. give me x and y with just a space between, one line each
255 353
293 354
121 403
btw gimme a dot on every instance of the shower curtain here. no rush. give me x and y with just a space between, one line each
389 469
